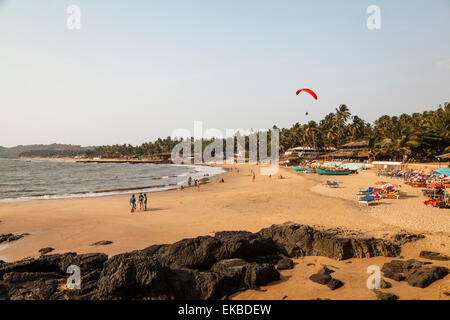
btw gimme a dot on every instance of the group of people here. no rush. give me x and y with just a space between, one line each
142 198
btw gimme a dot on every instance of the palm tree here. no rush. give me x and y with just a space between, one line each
342 115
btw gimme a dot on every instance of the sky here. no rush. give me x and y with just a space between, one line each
140 69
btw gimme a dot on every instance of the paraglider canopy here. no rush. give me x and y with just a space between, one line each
312 93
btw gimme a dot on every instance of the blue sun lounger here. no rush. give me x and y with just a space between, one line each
367 200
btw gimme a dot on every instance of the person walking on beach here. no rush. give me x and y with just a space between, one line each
145 202
141 201
189 181
133 203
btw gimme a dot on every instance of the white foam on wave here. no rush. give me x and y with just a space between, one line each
201 172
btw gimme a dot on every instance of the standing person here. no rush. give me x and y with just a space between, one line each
198 185
253 175
133 203
141 201
189 181
145 202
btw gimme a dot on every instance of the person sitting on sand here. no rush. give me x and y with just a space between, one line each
133 203
222 181
141 201
145 202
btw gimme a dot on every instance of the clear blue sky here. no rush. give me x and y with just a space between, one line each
138 70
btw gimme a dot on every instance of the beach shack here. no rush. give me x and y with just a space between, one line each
306 152
444 158
357 151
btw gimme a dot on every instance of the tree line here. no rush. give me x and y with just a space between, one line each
416 136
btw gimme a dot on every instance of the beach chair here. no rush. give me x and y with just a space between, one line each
367 191
333 184
392 195
367 200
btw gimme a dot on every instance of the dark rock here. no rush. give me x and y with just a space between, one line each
403 238
385 295
240 244
200 268
394 276
415 272
433 256
101 243
285 264
45 250
320 278
384 284
334 284
323 277
325 270
132 275
8 237
297 240
424 276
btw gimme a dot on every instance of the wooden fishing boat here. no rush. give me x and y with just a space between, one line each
332 172
299 168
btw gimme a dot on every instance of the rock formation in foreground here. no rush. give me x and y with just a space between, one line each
415 272
201 268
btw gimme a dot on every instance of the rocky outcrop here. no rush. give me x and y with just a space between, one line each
101 243
285 264
385 295
415 272
297 240
433 256
46 250
8 237
200 268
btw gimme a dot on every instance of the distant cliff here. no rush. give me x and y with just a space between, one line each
40 150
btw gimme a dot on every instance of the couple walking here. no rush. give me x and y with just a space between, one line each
142 202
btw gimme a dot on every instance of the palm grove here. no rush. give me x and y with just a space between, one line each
416 137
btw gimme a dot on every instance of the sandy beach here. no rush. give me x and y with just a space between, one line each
240 204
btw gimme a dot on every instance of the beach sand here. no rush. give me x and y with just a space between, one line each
239 204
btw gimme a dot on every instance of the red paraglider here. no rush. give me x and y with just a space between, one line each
312 93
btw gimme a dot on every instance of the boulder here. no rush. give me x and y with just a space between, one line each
297 240
415 272
101 243
131 275
320 278
325 270
334 284
285 264
46 250
8 237
385 295
433 256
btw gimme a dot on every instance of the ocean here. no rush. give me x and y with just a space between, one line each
22 180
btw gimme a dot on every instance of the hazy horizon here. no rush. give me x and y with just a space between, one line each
137 71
